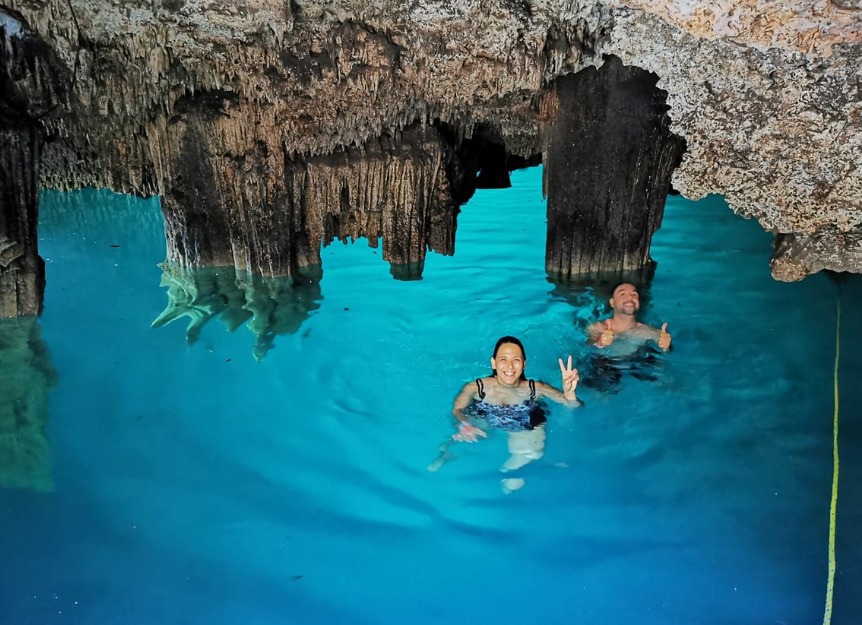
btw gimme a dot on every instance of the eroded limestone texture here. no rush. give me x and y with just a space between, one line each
795 256
807 26
766 95
777 131
608 164
268 214
32 91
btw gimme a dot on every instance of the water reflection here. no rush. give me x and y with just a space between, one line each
269 306
26 375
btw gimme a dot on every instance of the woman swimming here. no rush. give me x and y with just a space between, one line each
508 401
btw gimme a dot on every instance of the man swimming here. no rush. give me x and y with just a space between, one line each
625 346
623 328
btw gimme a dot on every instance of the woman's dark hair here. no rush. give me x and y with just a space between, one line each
514 341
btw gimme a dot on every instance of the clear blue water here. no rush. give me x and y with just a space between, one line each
197 485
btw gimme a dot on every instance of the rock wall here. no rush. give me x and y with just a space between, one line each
766 96
268 214
33 91
776 130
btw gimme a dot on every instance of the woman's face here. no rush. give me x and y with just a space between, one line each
509 363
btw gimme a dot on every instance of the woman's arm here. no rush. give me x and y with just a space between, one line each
555 395
462 400
466 432
567 396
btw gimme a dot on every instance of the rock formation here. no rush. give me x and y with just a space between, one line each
769 100
268 215
609 159
237 113
31 81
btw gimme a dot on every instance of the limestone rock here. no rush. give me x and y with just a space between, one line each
766 95
796 256
609 159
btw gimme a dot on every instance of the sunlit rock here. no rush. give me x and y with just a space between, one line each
795 256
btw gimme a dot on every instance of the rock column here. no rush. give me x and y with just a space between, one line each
237 198
22 271
31 88
609 158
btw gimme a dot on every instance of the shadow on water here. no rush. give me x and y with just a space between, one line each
26 376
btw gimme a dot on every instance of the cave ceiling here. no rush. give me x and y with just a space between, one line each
767 95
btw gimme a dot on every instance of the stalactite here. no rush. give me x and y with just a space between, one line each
32 84
771 110
253 209
610 158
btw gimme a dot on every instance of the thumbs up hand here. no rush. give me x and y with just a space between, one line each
664 338
607 335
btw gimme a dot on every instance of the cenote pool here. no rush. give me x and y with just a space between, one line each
198 484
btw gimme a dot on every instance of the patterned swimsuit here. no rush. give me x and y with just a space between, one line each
516 418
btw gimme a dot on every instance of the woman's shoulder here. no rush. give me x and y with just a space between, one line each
541 385
483 385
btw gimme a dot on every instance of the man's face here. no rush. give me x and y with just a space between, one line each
625 300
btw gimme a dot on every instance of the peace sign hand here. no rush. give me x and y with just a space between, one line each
664 338
570 378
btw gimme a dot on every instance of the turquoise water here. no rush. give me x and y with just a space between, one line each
198 485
